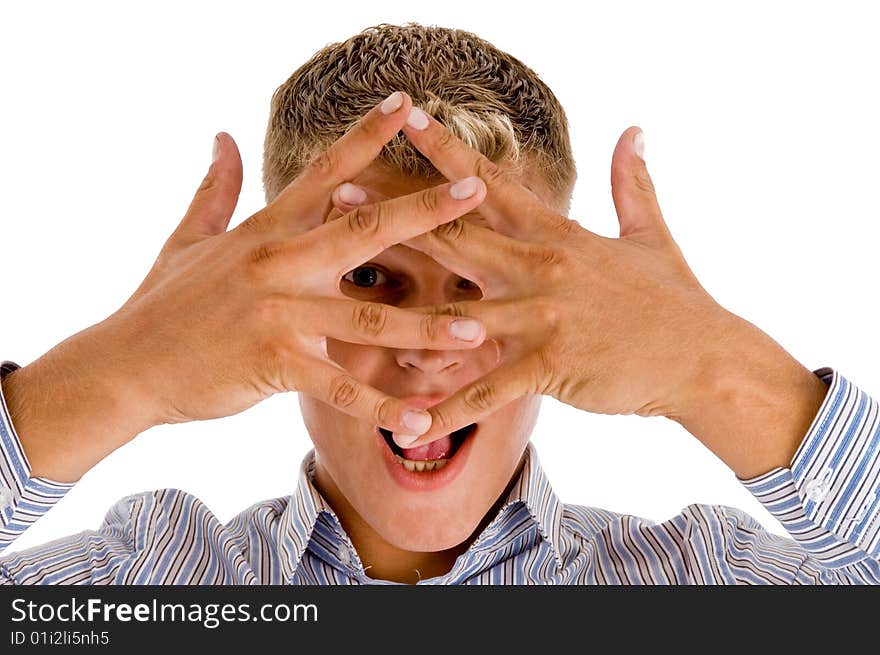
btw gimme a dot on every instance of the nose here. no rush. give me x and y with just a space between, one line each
447 362
430 361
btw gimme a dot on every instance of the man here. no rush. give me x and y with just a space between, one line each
421 291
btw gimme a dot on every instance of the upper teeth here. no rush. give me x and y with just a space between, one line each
422 464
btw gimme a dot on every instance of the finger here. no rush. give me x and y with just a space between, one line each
379 324
368 230
488 258
523 319
481 398
332 384
635 200
464 247
215 200
510 207
348 196
306 197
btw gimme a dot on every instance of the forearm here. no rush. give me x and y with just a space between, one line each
751 402
73 406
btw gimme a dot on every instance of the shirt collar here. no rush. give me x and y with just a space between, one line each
298 522
530 489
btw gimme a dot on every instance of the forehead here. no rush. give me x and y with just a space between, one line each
384 182
381 180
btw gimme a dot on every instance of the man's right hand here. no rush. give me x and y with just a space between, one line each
225 319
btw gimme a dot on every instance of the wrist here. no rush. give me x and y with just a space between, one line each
72 407
750 402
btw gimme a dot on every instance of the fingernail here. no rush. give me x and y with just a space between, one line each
418 422
392 103
215 151
351 194
464 188
417 119
465 329
639 144
404 440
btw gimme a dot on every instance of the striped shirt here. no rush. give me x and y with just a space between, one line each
827 500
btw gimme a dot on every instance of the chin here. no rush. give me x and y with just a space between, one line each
428 509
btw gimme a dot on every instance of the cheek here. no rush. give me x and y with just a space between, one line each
513 425
359 360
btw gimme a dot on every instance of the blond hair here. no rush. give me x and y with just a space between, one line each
486 97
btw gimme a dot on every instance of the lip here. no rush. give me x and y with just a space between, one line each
425 401
426 480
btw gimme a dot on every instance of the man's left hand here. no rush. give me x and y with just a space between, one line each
612 326
609 325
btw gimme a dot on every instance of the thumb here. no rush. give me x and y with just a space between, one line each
215 200
633 191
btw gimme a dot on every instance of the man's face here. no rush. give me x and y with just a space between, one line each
358 467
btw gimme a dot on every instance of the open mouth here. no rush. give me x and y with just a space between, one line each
430 457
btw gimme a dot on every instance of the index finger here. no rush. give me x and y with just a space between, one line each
480 398
509 207
370 229
345 158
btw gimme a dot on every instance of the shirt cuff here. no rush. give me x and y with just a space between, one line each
23 499
828 497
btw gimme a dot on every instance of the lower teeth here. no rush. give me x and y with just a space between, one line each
422 465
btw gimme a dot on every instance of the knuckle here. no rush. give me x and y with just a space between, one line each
262 261
277 352
270 310
446 140
441 419
209 182
642 180
344 390
428 201
263 254
367 130
260 222
553 260
566 226
547 313
449 309
481 396
429 328
383 411
452 231
558 267
323 164
488 170
365 221
370 318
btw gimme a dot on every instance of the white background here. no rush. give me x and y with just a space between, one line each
762 138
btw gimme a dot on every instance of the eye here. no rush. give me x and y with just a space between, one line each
466 285
366 276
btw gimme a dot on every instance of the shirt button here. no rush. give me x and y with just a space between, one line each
5 497
816 490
